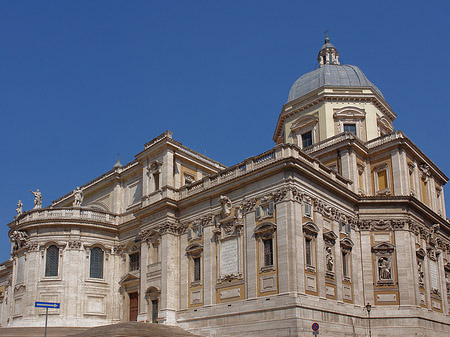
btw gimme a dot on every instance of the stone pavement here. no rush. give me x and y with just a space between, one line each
129 329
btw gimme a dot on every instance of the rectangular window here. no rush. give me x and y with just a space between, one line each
307 209
51 263
96 263
197 269
308 252
306 139
156 179
350 128
345 264
382 180
134 261
268 252
154 311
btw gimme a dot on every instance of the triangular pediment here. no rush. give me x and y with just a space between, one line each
128 278
383 246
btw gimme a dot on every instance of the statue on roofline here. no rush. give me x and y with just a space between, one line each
19 208
78 197
37 199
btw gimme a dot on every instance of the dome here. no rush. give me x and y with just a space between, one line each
330 73
333 75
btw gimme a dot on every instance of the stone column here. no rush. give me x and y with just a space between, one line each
285 222
143 304
366 263
251 255
298 247
442 284
209 270
320 260
405 268
399 172
169 277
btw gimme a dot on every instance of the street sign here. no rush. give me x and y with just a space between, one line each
46 305
315 333
315 326
49 305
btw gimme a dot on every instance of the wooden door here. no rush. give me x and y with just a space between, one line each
134 305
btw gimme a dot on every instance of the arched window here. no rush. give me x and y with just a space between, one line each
96 266
52 260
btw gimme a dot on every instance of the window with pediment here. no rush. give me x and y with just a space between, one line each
384 125
346 250
329 238
384 263
350 119
265 233
304 130
195 253
310 231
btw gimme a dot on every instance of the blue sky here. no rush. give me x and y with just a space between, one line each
81 81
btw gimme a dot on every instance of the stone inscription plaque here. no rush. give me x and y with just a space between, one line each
229 257
433 275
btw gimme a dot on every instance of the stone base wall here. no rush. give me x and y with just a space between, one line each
290 315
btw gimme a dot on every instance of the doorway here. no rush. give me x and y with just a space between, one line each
134 306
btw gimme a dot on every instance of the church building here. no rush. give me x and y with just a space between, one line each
341 223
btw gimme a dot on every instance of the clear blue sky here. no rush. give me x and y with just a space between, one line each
81 81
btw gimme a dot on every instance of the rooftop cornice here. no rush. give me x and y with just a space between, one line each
396 138
320 95
280 153
411 201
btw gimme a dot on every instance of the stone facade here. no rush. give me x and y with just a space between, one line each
343 212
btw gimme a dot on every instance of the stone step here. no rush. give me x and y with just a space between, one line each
39 332
129 329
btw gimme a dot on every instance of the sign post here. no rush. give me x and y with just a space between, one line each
315 329
46 305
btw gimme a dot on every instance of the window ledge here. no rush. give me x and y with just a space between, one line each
266 269
93 280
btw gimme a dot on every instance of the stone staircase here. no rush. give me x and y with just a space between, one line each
129 329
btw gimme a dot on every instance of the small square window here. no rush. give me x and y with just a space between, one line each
350 128
307 210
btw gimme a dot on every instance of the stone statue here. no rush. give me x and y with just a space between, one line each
420 272
78 196
384 268
239 211
37 199
432 235
226 206
19 239
19 208
329 258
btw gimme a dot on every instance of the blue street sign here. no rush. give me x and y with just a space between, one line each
50 305
315 327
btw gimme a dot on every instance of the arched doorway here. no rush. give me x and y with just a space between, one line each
152 295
